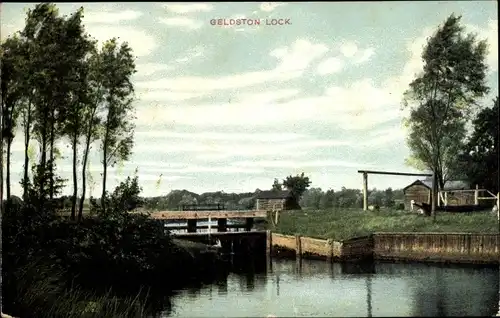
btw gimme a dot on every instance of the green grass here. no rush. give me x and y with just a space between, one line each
342 224
40 293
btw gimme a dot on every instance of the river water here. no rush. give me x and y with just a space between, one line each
310 288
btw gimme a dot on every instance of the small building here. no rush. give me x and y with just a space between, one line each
275 200
420 191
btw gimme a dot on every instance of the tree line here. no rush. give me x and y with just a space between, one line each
314 198
58 83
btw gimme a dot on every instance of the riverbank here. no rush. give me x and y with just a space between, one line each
344 224
465 248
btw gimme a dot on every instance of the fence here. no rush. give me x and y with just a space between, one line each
203 207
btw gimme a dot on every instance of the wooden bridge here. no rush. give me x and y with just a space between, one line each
192 218
247 241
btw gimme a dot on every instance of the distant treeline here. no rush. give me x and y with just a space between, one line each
312 198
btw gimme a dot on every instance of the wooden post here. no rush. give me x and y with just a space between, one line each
329 257
221 225
298 246
269 242
498 210
476 195
365 191
433 195
192 226
249 224
446 199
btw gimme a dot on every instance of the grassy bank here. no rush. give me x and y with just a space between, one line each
341 224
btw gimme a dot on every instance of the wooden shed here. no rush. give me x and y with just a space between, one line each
274 200
420 192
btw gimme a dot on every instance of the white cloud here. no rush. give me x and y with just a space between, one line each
216 146
199 168
330 65
188 7
147 69
270 6
209 135
192 53
156 177
292 61
365 56
111 17
139 40
489 33
386 136
182 22
348 49
300 164
165 96
299 55
340 105
265 97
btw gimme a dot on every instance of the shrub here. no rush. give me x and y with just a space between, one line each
115 248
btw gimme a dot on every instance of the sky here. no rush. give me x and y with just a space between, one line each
231 107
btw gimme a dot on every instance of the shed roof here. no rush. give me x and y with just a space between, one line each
274 194
449 185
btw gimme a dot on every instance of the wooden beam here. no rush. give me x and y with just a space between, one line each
204 227
462 190
221 234
395 173
187 215
365 191
476 195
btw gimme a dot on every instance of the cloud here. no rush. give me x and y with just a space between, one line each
269 96
299 55
207 145
210 135
111 17
159 96
365 56
300 164
270 6
340 105
330 65
139 40
490 34
200 169
182 22
156 177
147 69
292 61
192 53
384 137
188 7
348 49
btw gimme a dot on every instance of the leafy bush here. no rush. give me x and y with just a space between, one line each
115 248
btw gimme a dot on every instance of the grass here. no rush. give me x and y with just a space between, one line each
342 224
40 293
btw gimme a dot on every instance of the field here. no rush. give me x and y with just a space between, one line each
341 224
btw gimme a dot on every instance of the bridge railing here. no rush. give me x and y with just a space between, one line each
202 207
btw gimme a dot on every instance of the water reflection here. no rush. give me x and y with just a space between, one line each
317 288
